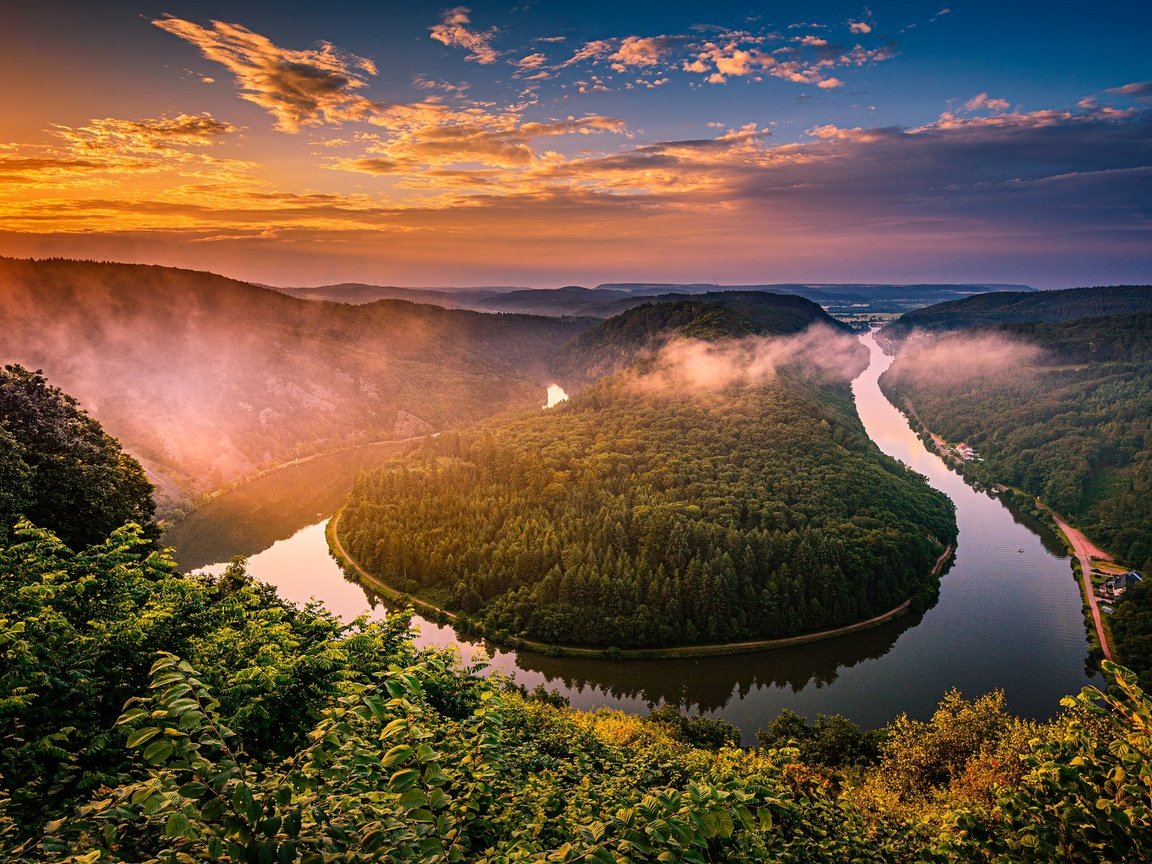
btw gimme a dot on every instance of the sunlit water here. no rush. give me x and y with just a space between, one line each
556 395
1008 615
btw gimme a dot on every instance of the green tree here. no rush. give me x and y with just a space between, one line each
68 475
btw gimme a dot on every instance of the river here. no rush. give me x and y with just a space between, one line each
1008 616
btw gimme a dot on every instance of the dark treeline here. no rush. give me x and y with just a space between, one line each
630 517
1132 631
60 469
1018 307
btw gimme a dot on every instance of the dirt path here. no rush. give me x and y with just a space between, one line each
1085 551
347 560
633 653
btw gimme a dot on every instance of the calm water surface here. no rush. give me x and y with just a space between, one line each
1008 615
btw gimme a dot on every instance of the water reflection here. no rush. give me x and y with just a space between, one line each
255 515
710 684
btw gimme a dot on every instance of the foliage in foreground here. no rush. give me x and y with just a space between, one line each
286 736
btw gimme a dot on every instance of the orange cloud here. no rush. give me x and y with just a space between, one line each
453 31
983 102
92 155
429 135
164 135
298 88
640 51
743 55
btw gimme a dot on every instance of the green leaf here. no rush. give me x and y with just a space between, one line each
141 735
157 752
398 755
194 789
412 799
403 780
176 826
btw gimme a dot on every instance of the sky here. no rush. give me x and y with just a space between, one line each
542 143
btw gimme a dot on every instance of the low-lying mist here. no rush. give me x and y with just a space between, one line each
959 358
205 379
697 366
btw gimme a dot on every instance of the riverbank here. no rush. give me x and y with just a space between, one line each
1085 550
1081 549
441 615
993 603
175 510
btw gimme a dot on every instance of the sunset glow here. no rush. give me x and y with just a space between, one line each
544 144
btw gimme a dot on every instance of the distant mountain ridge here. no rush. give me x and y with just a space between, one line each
609 299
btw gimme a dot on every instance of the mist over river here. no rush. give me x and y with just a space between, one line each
1008 616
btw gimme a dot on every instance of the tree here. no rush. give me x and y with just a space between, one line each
60 469
15 489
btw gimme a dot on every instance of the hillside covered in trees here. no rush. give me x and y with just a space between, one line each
1019 307
722 489
1063 411
60 469
638 333
205 379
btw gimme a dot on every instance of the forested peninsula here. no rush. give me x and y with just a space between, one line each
660 508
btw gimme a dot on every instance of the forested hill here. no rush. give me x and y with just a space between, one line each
1111 338
205 378
642 330
1020 307
722 490
1061 410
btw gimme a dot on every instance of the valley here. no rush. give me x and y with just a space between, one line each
983 614
207 380
766 412
602 433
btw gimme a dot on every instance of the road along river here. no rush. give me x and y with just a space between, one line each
1008 616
